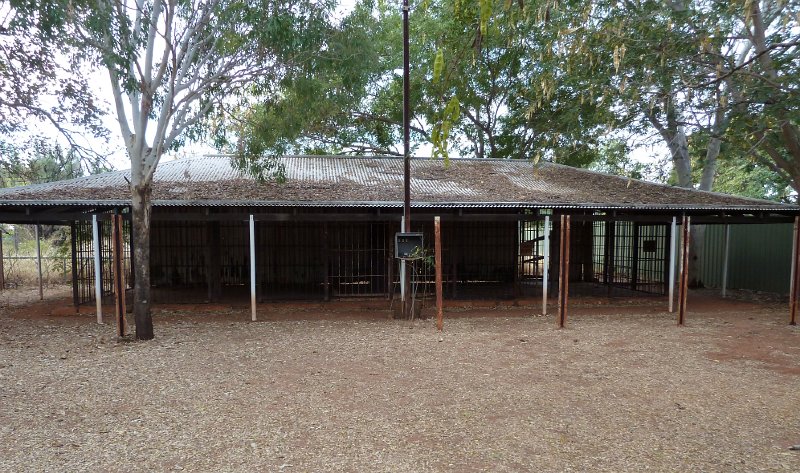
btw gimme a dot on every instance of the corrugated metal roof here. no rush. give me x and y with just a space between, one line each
336 181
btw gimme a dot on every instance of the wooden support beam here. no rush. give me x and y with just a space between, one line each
98 268
545 263
37 230
563 272
795 284
73 240
438 261
252 269
683 289
118 272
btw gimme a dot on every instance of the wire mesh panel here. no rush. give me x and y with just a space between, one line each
653 257
530 259
84 253
234 248
177 256
631 254
84 258
290 259
359 257
479 259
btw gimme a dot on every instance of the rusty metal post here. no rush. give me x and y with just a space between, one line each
683 289
794 288
2 266
563 272
118 272
438 260
39 260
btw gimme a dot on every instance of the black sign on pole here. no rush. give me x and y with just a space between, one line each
408 245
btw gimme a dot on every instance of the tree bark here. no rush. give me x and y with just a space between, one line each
141 212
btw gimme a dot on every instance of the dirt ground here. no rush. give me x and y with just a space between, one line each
342 387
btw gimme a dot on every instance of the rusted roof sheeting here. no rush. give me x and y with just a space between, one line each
335 181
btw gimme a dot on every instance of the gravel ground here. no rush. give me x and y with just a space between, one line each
611 392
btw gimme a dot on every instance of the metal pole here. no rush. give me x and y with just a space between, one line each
98 283
2 265
684 284
406 147
118 272
563 272
726 256
403 274
252 268
545 263
39 261
673 236
795 284
438 260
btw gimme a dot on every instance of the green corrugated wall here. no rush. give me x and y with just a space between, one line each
760 257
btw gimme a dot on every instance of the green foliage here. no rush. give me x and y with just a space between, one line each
39 161
41 75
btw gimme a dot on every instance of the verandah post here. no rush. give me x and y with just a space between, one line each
252 268
438 262
563 272
98 282
545 263
794 287
118 272
673 235
39 259
684 284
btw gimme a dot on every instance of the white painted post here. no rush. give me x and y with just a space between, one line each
98 283
39 261
402 267
673 236
252 268
546 263
726 255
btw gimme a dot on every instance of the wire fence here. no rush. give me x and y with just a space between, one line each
22 270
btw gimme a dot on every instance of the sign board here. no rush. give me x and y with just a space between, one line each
408 245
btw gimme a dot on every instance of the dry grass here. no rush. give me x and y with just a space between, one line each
506 393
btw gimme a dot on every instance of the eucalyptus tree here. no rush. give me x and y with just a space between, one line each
765 76
172 66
